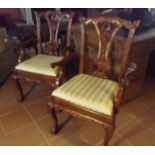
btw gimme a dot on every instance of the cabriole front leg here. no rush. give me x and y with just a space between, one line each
109 130
54 129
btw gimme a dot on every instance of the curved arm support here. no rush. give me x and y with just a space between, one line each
132 67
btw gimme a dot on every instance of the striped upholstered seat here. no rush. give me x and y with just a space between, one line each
91 92
40 64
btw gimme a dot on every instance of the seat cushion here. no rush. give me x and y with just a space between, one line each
91 92
40 64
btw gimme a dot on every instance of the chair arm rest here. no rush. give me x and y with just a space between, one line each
62 65
68 50
132 67
21 52
124 82
64 61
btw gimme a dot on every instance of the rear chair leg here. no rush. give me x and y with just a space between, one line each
20 90
55 128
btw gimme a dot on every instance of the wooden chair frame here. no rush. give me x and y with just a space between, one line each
54 19
102 63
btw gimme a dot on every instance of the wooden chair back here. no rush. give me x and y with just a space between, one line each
114 37
58 23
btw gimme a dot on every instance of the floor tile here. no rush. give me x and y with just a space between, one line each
136 134
38 110
8 108
72 140
43 144
135 123
1 130
122 119
77 122
45 125
15 120
134 107
148 119
28 136
116 140
92 132
4 142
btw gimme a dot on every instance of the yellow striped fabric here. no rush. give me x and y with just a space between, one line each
40 64
91 92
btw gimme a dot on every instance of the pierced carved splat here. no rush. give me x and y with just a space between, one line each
107 35
107 30
57 23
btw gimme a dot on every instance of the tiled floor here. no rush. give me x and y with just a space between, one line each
28 123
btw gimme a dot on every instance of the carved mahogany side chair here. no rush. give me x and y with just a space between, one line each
97 96
42 67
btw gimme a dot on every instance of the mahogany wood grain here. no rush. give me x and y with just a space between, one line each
53 20
106 29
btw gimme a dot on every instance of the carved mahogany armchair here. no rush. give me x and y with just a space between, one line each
97 96
42 67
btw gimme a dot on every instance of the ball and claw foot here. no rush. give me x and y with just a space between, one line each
54 131
20 99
